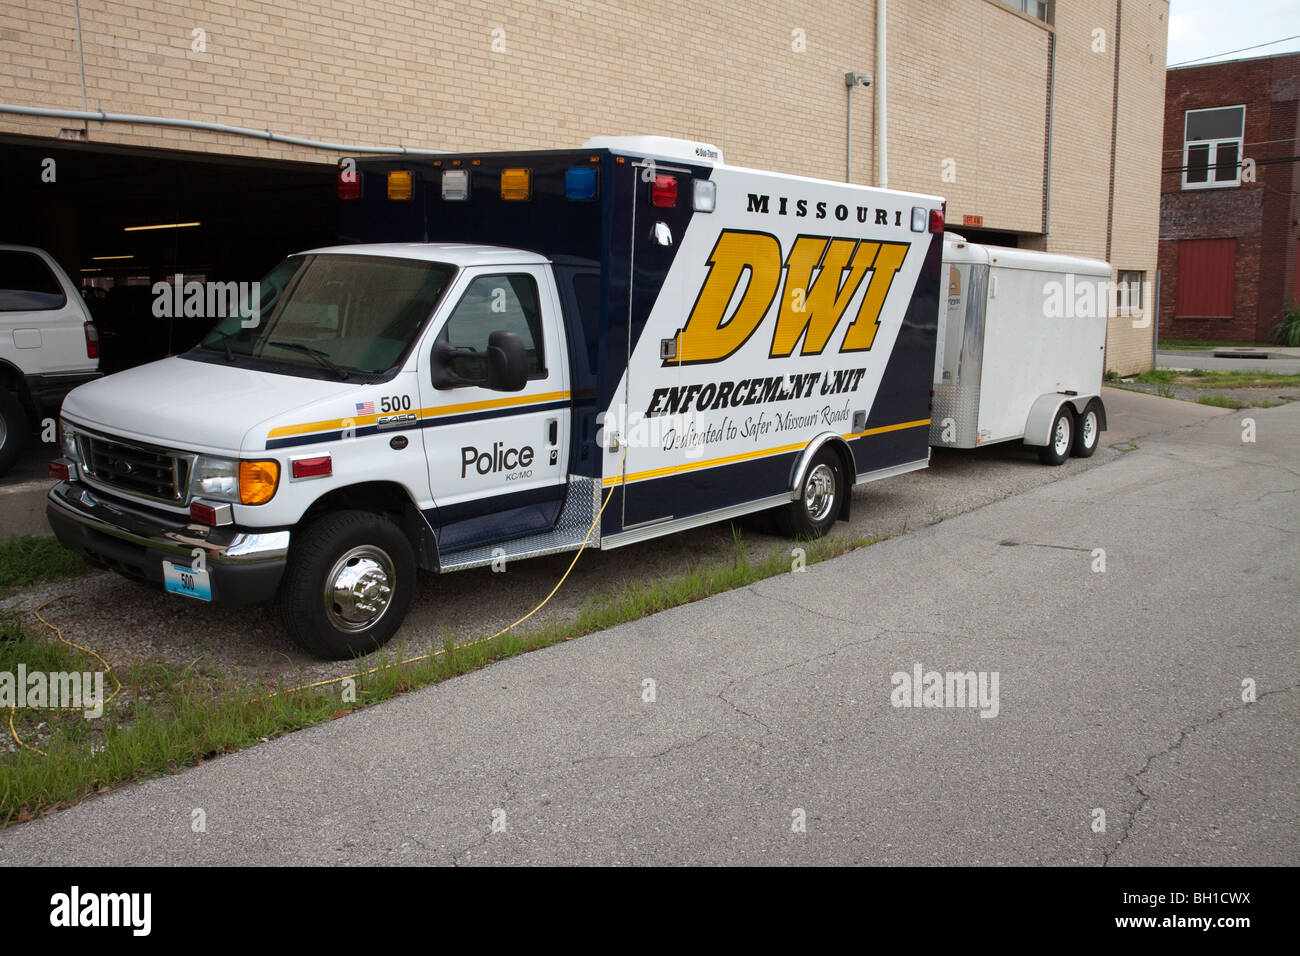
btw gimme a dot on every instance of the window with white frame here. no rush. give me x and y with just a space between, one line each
1035 8
1128 291
1212 147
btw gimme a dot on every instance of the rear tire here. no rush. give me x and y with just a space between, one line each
348 584
1060 438
13 429
1087 431
818 505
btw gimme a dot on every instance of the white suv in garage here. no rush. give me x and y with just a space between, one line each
48 344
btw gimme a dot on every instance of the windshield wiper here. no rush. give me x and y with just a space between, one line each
317 354
223 340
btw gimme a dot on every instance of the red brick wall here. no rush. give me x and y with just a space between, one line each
1260 215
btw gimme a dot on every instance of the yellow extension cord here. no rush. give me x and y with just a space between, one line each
336 680
107 669
482 640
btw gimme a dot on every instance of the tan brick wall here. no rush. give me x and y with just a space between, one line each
1136 226
967 83
1081 129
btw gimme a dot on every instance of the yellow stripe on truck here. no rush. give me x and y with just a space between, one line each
889 428
747 456
436 412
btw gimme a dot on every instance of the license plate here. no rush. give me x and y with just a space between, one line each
184 580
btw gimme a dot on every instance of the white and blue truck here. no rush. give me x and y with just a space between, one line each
501 341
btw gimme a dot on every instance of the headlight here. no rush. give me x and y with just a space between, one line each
240 482
215 478
67 440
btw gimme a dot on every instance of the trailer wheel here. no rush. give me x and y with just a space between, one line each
348 584
814 511
13 429
1060 438
1087 432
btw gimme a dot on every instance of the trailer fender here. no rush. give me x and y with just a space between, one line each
1038 426
804 461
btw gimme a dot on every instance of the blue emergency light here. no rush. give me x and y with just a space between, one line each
580 183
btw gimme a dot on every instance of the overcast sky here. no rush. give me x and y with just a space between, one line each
1203 27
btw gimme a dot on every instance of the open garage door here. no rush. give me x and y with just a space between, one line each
121 219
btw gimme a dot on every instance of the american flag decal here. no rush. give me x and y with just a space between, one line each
365 408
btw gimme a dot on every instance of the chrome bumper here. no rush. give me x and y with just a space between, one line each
245 565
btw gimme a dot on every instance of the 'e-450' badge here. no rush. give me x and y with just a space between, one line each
396 421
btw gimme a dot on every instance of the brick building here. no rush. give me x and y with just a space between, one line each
1229 244
1039 121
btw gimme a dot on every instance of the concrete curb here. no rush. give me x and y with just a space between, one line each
22 509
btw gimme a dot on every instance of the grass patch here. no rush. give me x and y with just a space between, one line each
1193 344
1223 401
1200 378
29 559
168 718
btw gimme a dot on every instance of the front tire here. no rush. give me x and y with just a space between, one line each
1087 431
1060 438
818 505
13 429
348 584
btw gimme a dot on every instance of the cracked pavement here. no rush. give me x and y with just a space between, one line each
1119 690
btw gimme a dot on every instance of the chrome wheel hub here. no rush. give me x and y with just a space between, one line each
819 493
359 588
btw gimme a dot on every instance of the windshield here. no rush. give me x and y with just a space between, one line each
342 313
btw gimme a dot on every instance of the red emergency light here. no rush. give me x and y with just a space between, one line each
936 218
663 192
349 182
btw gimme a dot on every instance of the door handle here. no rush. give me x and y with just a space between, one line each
553 430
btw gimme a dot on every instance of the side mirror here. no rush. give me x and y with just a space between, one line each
507 362
502 368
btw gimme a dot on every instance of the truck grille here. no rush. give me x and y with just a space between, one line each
142 470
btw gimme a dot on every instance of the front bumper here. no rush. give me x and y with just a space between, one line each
244 567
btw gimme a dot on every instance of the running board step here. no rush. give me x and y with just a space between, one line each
581 505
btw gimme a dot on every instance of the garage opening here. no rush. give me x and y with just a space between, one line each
120 219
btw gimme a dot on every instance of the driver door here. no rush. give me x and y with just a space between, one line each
498 461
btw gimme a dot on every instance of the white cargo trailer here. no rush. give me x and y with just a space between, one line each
1022 342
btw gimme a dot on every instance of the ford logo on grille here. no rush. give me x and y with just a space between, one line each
120 466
